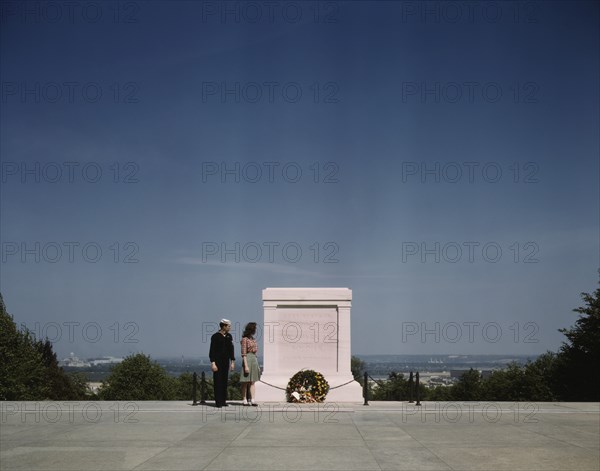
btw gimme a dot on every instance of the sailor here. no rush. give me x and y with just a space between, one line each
222 360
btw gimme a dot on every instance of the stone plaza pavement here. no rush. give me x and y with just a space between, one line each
275 436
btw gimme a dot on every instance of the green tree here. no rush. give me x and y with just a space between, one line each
138 378
439 393
29 369
22 375
468 387
396 388
183 387
357 366
60 385
502 385
210 390
539 378
184 384
577 375
234 387
79 383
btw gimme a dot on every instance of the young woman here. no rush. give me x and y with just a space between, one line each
250 369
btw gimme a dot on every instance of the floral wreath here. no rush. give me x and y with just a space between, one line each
307 386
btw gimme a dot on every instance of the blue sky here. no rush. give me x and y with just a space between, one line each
396 98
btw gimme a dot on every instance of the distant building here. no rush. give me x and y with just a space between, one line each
94 386
433 379
105 361
73 362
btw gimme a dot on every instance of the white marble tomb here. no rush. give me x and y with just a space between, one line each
307 328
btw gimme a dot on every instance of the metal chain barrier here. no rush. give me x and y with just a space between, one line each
202 384
340 385
284 389
365 387
411 386
272 385
374 380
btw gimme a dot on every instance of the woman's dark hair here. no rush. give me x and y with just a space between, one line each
249 330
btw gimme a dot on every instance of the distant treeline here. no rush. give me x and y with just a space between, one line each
571 374
29 371
539 380
99 373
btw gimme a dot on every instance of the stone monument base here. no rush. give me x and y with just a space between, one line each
351 392
307 328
